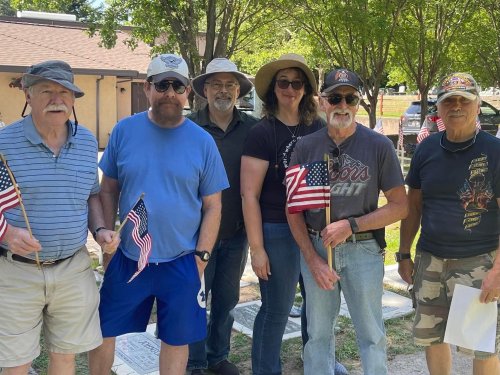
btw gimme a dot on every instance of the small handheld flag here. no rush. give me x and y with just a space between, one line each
308 186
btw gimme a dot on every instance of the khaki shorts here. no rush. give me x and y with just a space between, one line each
62 299
434 282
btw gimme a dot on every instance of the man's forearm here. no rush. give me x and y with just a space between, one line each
210 223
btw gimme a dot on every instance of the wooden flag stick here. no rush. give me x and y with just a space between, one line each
28 227
327 213
126 217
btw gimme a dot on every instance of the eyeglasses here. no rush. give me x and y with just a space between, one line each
284 83
229 86
350 99
164 85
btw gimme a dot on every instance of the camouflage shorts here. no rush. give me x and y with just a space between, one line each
434 281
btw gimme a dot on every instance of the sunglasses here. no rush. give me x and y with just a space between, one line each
350 99
284 83
335 160
164 85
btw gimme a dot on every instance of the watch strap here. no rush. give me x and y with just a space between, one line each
353 224
401 256
94 233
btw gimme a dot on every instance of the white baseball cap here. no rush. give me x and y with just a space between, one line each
168 66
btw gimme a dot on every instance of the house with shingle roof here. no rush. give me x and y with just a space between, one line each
112 79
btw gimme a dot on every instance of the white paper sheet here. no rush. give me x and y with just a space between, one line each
471 324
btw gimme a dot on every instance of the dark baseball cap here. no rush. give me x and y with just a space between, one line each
53 70
341 77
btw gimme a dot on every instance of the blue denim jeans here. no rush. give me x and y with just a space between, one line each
222 279
277 294
360 266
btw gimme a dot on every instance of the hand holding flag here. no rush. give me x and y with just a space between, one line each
139 216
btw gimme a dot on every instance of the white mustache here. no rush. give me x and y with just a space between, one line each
56 107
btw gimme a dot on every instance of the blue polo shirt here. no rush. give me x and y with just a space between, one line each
54 189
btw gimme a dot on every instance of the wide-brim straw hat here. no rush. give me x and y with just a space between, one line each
266 73
221 65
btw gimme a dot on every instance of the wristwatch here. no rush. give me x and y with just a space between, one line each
354 226
94 233
203 254
401 256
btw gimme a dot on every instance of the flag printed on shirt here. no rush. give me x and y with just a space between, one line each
8 196
308 186
139 216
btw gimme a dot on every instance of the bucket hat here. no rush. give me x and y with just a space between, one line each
52 70
221 65
266 73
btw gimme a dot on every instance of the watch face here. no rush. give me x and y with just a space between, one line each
205 256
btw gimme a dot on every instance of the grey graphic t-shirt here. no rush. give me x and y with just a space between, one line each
359 168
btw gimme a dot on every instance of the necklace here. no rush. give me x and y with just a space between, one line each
295 131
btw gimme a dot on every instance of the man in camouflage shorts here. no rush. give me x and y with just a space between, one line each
454 194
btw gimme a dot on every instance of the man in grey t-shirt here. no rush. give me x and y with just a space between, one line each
362 163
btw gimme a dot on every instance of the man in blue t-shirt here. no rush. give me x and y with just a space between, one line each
454 195
177 166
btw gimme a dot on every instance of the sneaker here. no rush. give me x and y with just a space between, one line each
340 369
198 371
224 368
295 311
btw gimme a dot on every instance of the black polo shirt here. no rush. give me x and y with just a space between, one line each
230 144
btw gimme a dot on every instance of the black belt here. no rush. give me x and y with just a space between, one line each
361 236
18 258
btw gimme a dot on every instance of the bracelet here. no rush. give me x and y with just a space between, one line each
94 233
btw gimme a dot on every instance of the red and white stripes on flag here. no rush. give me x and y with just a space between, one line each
400 136
139 216
307 186
424 131
8 196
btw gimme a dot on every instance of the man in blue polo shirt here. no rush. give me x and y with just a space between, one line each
55 164
177 166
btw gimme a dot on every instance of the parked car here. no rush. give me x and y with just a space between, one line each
489 118
410 120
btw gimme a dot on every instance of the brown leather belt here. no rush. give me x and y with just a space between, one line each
4 253
361 236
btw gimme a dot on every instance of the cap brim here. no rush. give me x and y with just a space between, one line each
198 83
160 77
333 87
465 94
29 80
266 73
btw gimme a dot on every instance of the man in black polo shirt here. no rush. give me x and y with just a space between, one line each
221 86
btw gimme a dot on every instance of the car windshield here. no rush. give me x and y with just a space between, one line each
413 109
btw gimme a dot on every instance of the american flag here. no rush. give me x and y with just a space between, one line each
139 216
8 196
424 131
308 186
400 136
378 127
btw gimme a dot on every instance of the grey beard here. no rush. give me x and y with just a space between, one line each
223 105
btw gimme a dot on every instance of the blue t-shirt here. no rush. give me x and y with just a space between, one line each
460 214
175 168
